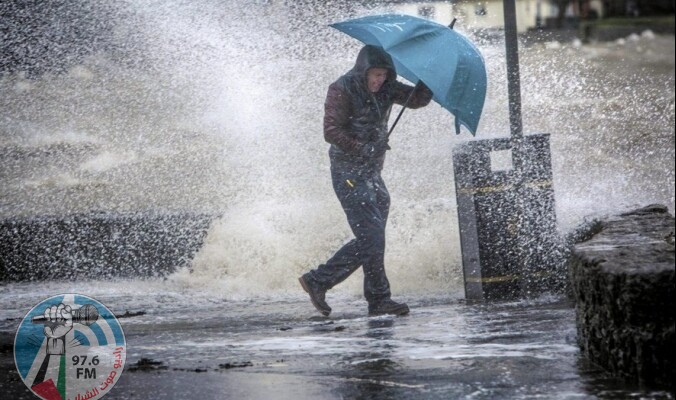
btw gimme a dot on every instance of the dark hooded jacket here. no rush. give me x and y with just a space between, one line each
353 116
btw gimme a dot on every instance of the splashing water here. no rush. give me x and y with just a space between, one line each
218 108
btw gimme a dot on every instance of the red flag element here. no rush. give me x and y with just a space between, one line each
47 390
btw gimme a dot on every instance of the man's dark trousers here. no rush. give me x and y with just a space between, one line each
366 203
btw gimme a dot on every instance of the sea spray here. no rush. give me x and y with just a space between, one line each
219 109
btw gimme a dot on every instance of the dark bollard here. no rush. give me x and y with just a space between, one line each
504 255
622 279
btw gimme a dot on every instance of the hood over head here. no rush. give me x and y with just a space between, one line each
373 57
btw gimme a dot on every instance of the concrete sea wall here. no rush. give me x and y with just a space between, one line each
99 245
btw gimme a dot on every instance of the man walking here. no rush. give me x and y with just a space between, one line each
357 110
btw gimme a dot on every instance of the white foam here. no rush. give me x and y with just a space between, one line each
553 45
648 35
107 160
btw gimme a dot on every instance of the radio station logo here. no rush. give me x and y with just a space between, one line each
70 347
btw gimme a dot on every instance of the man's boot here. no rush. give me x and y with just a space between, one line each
386 307
317 294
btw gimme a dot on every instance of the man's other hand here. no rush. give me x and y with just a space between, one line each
374 149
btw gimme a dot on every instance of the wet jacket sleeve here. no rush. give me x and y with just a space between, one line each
421 97
337 111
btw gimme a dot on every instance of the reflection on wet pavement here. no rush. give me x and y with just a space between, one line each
443 349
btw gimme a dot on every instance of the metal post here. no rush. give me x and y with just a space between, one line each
514 92
510 245
513 77
516 132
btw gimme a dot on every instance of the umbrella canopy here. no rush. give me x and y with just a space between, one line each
423 50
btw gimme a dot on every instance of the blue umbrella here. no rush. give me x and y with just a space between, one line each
423 50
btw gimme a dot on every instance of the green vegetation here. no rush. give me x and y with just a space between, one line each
637 21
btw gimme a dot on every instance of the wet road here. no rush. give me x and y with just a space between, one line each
258 349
